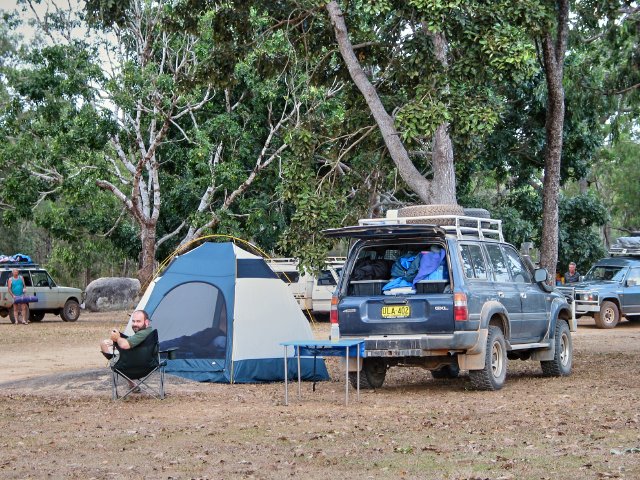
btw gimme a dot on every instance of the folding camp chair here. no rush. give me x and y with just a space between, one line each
137 366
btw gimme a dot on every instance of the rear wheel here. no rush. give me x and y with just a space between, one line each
71 311
448 371
563 357
372 375
36 316
608 316
494 373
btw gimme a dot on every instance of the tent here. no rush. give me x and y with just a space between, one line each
227 313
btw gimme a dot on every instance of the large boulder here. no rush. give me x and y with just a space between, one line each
112 293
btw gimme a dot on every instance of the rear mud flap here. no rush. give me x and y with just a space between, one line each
475 356
544 354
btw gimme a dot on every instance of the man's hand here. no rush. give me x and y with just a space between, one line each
115 335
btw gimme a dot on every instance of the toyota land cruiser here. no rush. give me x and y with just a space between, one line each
478 307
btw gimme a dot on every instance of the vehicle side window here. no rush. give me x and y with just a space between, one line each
498 263
27 278
289 277
518 271
4 278
40 279
633 279
51 282
326 278
473 261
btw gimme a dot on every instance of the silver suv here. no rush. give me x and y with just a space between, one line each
63 301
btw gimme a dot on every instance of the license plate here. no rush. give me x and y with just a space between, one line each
396 311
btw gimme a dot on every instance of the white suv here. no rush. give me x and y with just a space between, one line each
63 301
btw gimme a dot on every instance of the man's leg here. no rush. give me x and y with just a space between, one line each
25 313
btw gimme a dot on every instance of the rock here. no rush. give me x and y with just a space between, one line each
112 293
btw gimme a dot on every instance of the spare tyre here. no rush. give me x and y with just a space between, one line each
437 209
477 212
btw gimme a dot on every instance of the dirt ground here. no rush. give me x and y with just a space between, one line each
57 419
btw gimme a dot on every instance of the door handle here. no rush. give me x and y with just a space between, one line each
500 294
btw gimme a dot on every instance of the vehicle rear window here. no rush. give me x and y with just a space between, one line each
473 262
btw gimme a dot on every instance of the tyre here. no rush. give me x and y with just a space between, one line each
36 316
372 375
448 371
494 373
432 210
71 311
562 361
477 212
608 316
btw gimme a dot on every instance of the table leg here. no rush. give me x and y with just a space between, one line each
346 379
286 383
358 370
299 375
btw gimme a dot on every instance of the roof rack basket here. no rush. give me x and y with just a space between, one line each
19 265
460 225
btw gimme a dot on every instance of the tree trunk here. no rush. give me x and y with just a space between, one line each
148 237
553 53
443 187
407 170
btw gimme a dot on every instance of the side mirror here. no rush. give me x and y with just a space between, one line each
540 275
632 282
581 278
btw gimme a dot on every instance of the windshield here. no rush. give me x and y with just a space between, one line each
607 273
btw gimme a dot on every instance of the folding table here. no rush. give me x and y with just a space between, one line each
326 348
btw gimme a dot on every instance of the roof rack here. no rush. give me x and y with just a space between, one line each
459 225
18 265
618 251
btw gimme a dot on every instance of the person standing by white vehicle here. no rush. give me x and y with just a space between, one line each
15 286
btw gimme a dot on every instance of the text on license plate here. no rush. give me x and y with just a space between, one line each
396 311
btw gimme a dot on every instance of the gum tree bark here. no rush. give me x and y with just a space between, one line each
553 50
442 188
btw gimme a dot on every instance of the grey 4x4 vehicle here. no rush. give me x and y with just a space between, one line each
611 287
486 308
63 301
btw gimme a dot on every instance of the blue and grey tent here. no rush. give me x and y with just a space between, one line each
227 313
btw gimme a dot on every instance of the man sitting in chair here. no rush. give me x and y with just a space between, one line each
141 325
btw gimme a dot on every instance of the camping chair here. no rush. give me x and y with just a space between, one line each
138 365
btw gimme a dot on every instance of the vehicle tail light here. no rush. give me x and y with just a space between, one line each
333 313
460 311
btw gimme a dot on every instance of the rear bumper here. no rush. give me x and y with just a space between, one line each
420 345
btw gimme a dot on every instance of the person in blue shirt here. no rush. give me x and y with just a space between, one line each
15 286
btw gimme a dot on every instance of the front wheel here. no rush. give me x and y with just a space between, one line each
608 316
71 311
562 361
36 316
494 373
372 375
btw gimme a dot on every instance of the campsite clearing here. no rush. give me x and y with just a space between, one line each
58 421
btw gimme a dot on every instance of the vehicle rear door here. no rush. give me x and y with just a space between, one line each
506 291
364 310
477 276
535 313
631 298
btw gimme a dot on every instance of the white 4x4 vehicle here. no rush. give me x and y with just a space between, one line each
312 292
63 301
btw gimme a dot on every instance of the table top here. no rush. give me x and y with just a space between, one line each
323 343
